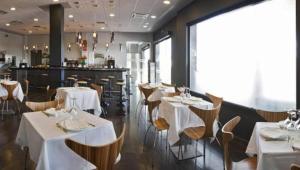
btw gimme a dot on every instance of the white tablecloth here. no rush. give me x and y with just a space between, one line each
46 141
18 92
86 98
272 155
180 117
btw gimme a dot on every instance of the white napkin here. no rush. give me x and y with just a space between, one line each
273 133
51 112
70 124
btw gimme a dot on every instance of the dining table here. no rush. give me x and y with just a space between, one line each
175 110
83 98
274 146
46 140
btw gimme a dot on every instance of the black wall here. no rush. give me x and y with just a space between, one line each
194 12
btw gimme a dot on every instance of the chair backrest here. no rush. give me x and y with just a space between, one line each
216 102
168 85
272 116
227 137
50 93
98 88
295 167
10 89
41 106
26 87
208 117
147 92
151 106
103 157
172 94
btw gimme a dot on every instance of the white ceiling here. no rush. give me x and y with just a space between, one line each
87 13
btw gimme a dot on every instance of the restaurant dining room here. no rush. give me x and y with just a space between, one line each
149 85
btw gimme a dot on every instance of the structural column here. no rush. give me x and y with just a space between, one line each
56 35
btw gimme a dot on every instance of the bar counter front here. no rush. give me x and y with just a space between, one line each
57 76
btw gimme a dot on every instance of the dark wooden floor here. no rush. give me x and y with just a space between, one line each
135 156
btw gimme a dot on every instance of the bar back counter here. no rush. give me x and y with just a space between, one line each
57 76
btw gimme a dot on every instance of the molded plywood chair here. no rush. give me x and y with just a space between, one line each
159 123
9 97
50 93
295 167
41 106
99 90
246 164
272 116
172 94
103 157
201 132
141 97
146 92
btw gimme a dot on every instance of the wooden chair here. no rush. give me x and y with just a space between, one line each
9 97
215 100
160 124
295 167
141 97
168 85
103 157
41 106
246 164
172 94
146 92
99 90
50 93
201 132
26 89
272 116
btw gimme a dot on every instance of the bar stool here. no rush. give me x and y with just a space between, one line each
110 78
82 83
121 83
104 83
71 81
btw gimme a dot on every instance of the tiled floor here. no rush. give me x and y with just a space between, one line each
134 155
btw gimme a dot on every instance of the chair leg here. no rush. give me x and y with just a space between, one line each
3 104
26 157
137 107
154 148
139 117
204 146
145 137
196 154
18 107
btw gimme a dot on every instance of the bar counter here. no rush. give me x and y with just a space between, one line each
57 76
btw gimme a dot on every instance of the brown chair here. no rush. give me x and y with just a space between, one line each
172 94
50 93
146 92
141 97
168 85
41 106
103 157
26 89
295 167
99 90
201 132
246 164
272 116
160 124
9 97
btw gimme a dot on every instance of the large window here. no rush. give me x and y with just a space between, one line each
163 61
248 55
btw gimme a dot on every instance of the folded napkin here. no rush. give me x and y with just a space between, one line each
52 112
273 134
296 146
70 124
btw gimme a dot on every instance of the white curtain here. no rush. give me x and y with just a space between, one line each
248 56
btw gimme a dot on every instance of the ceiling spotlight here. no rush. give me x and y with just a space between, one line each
111 14
7 24
147 23
35 19
167 2
102 28
55 0
12 8
94 35
30 32
71 16
145 26
153 16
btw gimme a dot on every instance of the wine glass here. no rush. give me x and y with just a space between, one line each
73 110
